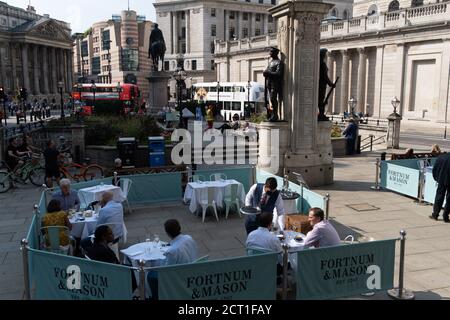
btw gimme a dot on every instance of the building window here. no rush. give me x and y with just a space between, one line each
14 23
232 33
270 19
394 6
261 1
183 47
247 0
270 31
258 17
273 2
245 16
213 30
244 32
213 47
96 69
213 12
231 15
106 38
416 3
194 64
257 32
183 15
166 65
130 60
213 65
345 15
84 49
334 13
3 22
373 10
183 33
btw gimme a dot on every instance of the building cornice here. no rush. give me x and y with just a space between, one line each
225 4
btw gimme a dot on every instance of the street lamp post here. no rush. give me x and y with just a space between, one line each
352 104
218 95
79 108
180 77
395 103
119 91
249 87
60 89
94 89
3 98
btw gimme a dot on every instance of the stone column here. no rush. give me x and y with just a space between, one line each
343 105
13 67
25 68
188 31
226 25
399 76
37 85
265 24
172 29
378 82
45 70
69 70
175 32
250 25
239 24
442 110
330 63
54 66
361 85
309 150
3 66
61 73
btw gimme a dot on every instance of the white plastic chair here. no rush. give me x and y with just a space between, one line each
218 177
198 178
232 199
125 185
51 236
210 202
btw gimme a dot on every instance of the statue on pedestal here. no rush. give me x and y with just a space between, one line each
157 48
324 81
274 78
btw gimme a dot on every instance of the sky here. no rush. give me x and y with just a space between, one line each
81 14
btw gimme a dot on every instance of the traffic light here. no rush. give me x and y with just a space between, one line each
23 93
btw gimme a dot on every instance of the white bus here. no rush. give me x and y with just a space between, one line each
233 97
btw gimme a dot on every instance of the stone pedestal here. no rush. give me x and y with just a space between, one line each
306 144
158 98
273 145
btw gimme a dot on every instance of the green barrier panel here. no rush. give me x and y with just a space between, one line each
88 184
247 278
400 179
345 270
98 281
408 163
151 188
243 175
42 206
430 187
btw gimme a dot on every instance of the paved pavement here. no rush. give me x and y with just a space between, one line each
427 267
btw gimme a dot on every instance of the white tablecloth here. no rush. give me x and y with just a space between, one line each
91 194
198 191
83 229
294 247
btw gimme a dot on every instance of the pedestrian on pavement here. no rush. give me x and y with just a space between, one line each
441 173
350 134
51 155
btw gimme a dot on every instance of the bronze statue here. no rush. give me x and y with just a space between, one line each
157 47
274 78
324 81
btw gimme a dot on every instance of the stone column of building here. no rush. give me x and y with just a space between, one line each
25 68
3 66
14 82
376 111
175 33
61 73
188 31
54 66
45 70
250 24
443 112
361 85
69 70
330 63
266 24
226 28
37 85
239 24
399 74
172 28
343 104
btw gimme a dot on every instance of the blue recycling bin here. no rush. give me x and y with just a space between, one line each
157 154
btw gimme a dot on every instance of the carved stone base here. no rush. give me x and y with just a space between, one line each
158 98
316 166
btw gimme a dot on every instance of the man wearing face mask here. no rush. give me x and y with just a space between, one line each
267 198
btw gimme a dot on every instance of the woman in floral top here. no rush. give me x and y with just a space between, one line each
56 217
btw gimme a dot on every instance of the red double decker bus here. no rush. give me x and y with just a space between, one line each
124 98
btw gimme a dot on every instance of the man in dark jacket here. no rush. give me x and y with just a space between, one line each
441 173
351 133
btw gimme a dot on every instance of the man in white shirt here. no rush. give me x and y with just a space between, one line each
111 213
323 233
262 237
268 198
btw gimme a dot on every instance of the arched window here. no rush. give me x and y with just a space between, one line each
373 9
345 15
416 3
334 12
394 6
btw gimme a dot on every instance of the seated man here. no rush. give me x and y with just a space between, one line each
262 237
111 213
68 198
99 250
323 233
183 249
267 197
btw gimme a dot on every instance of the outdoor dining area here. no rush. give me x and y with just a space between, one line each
211 210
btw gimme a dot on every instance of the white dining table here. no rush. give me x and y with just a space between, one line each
196 192
83 228
95 193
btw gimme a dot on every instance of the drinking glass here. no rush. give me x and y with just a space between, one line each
156 240
148 246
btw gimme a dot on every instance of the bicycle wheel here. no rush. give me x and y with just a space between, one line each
93 172
5 182
37 176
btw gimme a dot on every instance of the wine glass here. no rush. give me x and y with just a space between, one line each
148 245
156 240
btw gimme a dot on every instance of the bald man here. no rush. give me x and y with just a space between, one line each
111 213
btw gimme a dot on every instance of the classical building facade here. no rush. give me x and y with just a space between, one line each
389 49
35 52
115 51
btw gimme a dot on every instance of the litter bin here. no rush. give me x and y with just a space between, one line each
127 148
157 154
